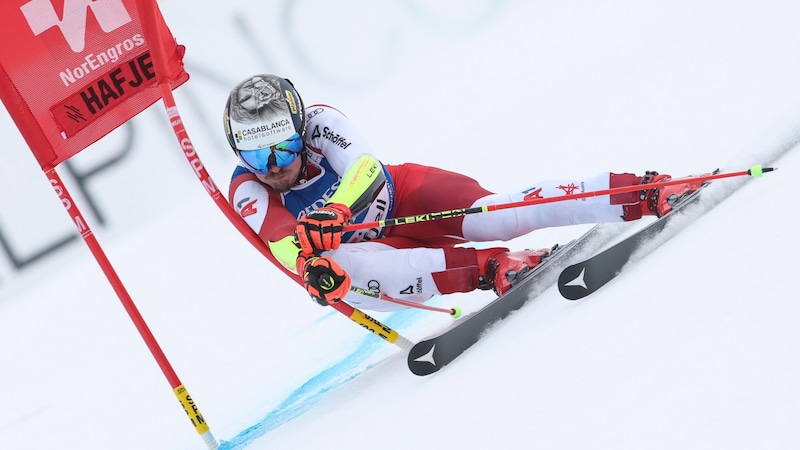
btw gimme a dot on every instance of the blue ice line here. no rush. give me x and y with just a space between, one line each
312 391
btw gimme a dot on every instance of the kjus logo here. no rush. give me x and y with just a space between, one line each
41 16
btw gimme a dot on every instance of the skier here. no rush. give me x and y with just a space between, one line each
306 172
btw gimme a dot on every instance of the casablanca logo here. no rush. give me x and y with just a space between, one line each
41 16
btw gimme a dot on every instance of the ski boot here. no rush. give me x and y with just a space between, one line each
500 268
659 201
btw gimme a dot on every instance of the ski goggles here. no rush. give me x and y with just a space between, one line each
260 160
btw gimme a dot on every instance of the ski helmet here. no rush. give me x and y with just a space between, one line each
264 121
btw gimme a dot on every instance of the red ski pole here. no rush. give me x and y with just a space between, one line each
454 312
755 171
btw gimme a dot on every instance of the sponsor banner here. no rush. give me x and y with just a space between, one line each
78 69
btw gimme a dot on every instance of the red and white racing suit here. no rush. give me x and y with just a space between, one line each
416 261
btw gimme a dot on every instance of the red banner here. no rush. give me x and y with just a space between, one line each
71 71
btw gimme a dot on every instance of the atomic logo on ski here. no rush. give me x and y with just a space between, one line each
578 281
608 264
451 343
427 357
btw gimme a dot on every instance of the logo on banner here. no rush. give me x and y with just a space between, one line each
41 16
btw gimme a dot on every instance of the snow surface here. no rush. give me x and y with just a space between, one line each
694 347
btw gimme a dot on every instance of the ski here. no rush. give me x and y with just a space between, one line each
430 355
583 278
575 279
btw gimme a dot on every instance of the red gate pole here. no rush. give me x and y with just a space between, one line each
127 302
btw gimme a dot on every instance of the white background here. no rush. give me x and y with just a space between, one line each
695 347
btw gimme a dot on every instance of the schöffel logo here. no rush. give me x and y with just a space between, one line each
41 16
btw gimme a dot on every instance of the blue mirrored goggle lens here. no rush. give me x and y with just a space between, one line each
293 144
282 154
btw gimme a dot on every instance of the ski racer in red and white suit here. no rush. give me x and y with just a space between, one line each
412 262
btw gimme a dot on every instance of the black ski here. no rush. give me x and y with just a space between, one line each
430 355
583 278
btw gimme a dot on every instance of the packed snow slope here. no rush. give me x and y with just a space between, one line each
693 347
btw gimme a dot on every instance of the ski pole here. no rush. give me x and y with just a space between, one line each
755 171
455 311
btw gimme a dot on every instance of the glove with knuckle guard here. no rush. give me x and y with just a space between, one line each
325 280
321 229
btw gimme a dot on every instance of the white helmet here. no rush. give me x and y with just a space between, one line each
264 120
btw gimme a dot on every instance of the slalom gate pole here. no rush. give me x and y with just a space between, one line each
371 324
127 302
755 171
354 314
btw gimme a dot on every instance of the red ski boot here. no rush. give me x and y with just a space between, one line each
503 267
659 201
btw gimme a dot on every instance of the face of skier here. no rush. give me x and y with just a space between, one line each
282 178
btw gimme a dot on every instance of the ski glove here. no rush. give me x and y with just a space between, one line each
321 229
325 280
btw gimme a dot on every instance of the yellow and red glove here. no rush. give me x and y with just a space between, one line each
321 229
325 280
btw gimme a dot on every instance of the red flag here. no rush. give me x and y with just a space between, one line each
71 71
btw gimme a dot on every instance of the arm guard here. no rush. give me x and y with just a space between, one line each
360 185
358 189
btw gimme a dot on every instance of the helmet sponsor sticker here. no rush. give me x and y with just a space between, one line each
290 101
